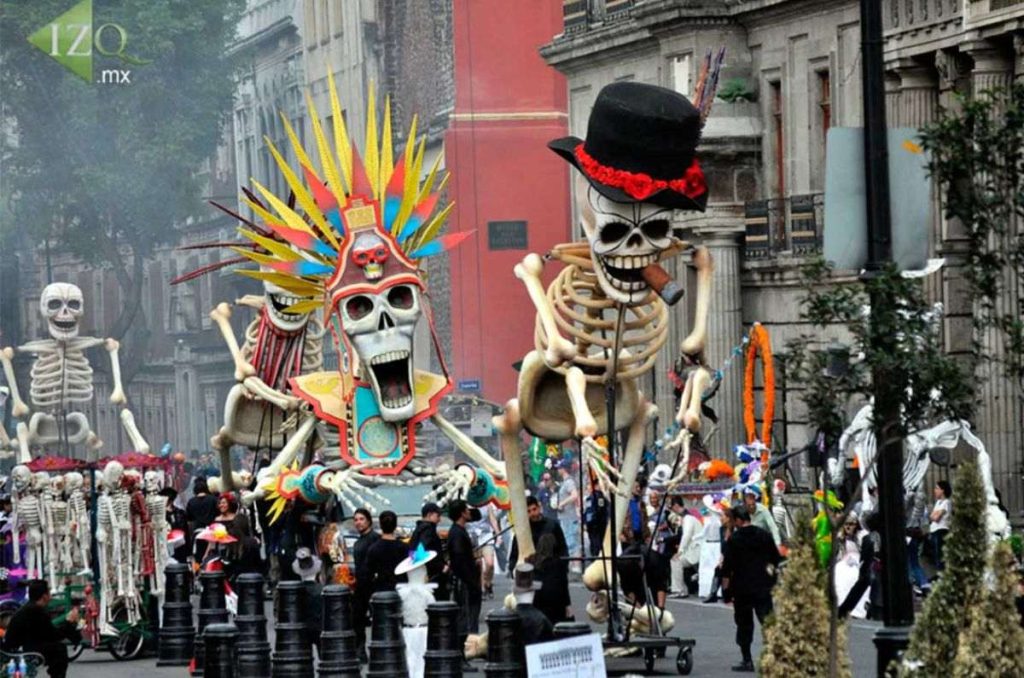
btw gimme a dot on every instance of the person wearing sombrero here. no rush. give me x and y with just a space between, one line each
416 595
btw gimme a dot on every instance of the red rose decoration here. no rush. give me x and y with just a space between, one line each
639 186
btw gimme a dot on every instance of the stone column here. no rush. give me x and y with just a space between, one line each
725 329
892 95
1000 416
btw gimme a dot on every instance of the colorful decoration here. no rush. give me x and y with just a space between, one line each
822 523
759 346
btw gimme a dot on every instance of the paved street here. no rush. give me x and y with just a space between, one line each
710 625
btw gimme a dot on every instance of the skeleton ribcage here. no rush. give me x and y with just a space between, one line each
58 380
589 319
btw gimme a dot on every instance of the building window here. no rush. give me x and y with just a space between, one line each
825 101
325 22
778 138
310 15
682 73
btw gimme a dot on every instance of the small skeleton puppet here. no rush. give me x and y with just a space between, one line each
142 557
281 343
26 509
356 238
42 487
602 321
416 596
156 505
62 384
79 526
58 547
109 543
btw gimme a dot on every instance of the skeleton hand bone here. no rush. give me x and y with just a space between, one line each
19 409
596 456
346 485
456 486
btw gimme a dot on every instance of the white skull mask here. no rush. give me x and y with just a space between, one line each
152 481
277 299
380 327
41 481
112 474
73 481
21 478
624 239
57 485
61 305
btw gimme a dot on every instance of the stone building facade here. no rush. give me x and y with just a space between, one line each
799 60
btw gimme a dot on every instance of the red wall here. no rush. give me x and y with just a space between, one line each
508 105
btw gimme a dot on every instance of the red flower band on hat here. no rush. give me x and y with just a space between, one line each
641 186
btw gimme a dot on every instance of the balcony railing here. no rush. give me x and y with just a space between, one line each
578 15
792 225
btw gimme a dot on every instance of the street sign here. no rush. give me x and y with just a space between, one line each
469 385
577 656
910 191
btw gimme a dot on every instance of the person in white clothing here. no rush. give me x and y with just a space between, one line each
416 596
687 556
941 513
711 549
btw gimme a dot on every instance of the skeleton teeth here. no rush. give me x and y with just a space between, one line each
388 357
397 402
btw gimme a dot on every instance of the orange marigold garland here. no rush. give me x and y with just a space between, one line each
760 345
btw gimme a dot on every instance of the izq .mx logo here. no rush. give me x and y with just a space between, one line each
71 40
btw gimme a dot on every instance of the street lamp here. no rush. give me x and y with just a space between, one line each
897 598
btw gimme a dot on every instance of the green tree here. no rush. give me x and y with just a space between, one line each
797 637
976 156
107 172
936 637
992 646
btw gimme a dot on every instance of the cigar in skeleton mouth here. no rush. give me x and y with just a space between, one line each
662 283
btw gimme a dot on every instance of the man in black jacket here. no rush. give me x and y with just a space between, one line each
749 560
465 571
385 555
426 534
32 630
550 568
535 626
364 577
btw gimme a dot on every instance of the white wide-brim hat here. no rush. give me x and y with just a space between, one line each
416 558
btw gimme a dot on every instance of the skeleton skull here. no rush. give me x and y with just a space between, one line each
73 481
369 252
21 478
624 239
112 474
152 481
40 481
277 300
380 326
61 305
57 485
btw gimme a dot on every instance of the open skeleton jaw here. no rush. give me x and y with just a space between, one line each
624 239
61 304
277 302
381 326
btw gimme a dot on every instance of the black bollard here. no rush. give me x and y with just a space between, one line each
506 657
570 629
212 610
338 639
387 645
219 640
252 652
443 658
293 652
177 633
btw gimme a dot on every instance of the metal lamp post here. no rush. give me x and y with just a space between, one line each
898 608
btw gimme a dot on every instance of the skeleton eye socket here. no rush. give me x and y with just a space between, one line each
75 305
358 307
614 231
54 304
656 229
401 297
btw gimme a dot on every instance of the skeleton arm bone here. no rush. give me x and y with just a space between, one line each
260 389
285 457
117 396
559 350
694 342
469 448
222 316
20 409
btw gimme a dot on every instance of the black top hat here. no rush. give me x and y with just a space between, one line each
523 581
640 147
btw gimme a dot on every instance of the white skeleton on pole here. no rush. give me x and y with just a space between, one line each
157 505
113 534
62 380
28 518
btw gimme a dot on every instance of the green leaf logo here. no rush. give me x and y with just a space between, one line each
68 39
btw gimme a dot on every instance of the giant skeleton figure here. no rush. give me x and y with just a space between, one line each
637 165
62 380
277 346
350 247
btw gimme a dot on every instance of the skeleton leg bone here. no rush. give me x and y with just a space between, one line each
560 350
509 426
